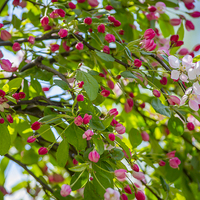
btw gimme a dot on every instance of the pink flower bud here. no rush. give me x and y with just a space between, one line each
16 96
111 137
88 20
127 189
9 118
44 21
65 190
113 112
189 6
118 77
174 38
183 51
54 14
23 4
16 46
162 163
173 100
36 125
80 97
31 139
80 85
120 174
93 156
101 28
88 135
54 47
2 120
31 39
60 12
111 18
110 84
195 14
75 162
140 195
149 45
151 16
2 93
145 136
110 38
117 23
190 126
42 151
171 154
124 197
93 3
149 34
106 49
114 122
15 3
135 168
137 63
120 128
174 162
178 43
45 89
1 25
163 81
53 1
109 7
105 93
71 5
189 25
80 1
1 54
79 46
142 105
152 8
87 118
90 30
138 175
5 35
130 102
161 7
121 32
156 93
66 48
175 21
63 33
78 120
22 95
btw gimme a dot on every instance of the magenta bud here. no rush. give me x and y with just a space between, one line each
111 137
135 168
156 93
42 151
190 126
31 139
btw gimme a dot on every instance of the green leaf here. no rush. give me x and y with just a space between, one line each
117 154
90 84
90 192
62 153
135 137
99 144
62 84
16 22
79 180
123 146
79 168
175 126
160 108
12 85
105 56
107 121
128 74
5 140
48 119
180 32
164 184
196 58
96 123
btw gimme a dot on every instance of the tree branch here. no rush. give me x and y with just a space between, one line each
3 6
30 172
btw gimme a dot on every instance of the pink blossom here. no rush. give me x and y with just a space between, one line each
162 163
93 3
137 63
111 137
93 156
106 49
111 194
80 97
2 120
79 46
63 33
138 175
75 162
15 3
80 85
110 38
161 7
120 174
190 126
121 32
130 102
54 47
117 23
171 154
45 89
88 20
54 14
88 135
16 46
152 8
173 100
149 34
9 118
145 136
139 195
23 4
101 28
5 35
135 168
6 64
109 7
111 18
80 1
87 118
105 93
66 48
189 6
65 190
148 45
174 162
156 93
2 93
127 108
110 84
61 12
44 21
151 16
78 120
36 125
124 197
71 5
183 51
175 21
31 39
189 25
113 112
195 14
31 139
120 128
114 122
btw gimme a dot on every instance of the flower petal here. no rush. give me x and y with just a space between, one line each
183 99
187 61
192 73
193 105
184 78
196 88
174 62
175 74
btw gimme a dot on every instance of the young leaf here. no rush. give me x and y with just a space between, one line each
62 153
135 137
175 126
5 140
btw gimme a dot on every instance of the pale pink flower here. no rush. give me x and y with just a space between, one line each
88 135
120 174
120 128
138 175
174 162
31 39
171 154
65 190
161 7
111 194
113 112
93 156
7 65
78 120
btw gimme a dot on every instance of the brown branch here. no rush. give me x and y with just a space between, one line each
30 172
3 6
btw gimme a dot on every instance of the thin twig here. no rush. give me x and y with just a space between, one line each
3 6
